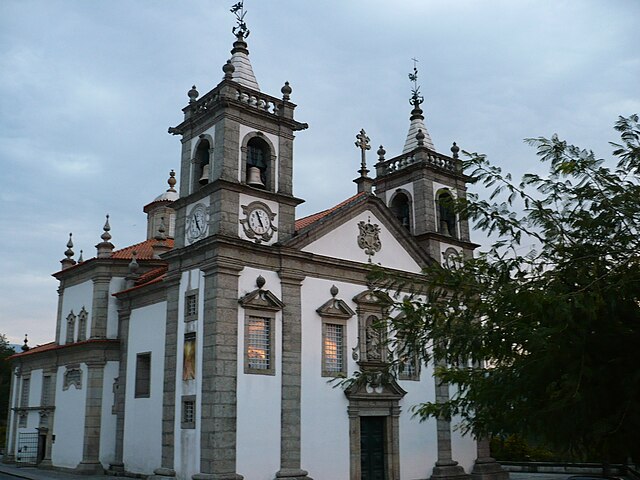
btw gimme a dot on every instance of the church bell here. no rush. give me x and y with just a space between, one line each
253 177
204 179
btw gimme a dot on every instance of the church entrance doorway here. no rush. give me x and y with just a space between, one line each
372 448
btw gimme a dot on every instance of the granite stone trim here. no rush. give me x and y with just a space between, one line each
100 306
93 417
124 313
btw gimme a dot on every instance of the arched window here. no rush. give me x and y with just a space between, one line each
258 158
202 164
446 214
71 326
401 208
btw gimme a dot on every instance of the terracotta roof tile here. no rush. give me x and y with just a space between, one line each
311 219
144 250
54 346
151 275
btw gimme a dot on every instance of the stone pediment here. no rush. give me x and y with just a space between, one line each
372 297
335 308
261 300
375 385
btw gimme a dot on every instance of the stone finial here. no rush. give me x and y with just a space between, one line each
80 258
381 153
260 281
228 70
105 247
68 261
172 181
454 150
193 94
420 138
286 92
333 291
133 264
25 347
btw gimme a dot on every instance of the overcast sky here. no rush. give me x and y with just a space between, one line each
88 89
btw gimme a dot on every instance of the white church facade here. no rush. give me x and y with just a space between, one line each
207 350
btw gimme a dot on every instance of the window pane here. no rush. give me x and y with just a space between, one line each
333 343
258 342
143 375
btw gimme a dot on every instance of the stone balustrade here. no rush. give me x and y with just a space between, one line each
429 157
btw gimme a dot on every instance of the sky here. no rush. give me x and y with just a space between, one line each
89 88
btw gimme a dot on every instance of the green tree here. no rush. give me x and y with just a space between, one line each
542 342
5 383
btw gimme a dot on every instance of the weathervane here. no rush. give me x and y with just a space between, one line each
416 98
241 29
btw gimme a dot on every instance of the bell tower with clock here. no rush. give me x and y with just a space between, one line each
237 157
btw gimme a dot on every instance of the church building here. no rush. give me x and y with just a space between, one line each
207 350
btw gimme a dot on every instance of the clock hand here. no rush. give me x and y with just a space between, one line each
195 219
260 220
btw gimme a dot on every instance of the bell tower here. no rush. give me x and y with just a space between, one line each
237 156
419 187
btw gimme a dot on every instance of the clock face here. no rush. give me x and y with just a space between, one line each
258 222
197 223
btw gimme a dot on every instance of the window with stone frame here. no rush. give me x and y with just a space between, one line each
143 375
334 348
372 332
259 341
47 391
408 362
71 327
82 324
188 417
190 305
22 419
24 393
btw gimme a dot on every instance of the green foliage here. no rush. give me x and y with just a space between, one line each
515 448
5 384
542 343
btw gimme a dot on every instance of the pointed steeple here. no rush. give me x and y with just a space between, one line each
242 71
417 118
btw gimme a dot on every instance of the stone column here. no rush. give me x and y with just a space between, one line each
445 468
90 463
219 374
291 378
12 423
170 372
46 461
124 314
100 306
485 467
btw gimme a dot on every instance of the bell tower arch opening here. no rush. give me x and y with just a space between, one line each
259 162
201 164
447 221
400 205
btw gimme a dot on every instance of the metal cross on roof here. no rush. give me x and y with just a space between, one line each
416 98
363 144
241 29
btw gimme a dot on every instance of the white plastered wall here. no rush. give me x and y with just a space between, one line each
108 419
342 242
69 421
259 396
246 200
76 297
187 441
143 416
244 130
324 420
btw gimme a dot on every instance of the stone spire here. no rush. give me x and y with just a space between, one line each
417 118
242 72
105 247
68 261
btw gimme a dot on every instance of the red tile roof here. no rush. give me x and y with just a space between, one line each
311 219
144 250
151 275
54 346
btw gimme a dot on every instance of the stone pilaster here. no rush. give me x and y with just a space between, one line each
485 467
12 423
446 468
219 374
291 378
100 306
124 313
93 416
46 461
170 372
59 319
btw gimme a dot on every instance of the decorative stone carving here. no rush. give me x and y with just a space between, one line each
369 237
72 376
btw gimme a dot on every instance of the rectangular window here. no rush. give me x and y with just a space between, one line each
258 340
191 305
188 411
46 391
24 394
409 364
333 349
189 356
143 375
